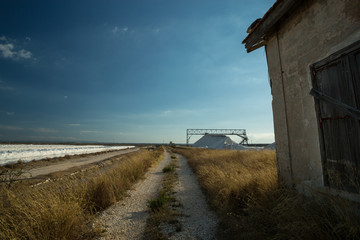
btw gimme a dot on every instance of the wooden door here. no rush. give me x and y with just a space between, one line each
337 92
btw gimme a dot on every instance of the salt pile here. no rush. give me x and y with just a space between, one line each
217 141
10 153
271 146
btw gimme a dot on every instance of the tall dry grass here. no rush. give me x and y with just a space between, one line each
65 209
242 186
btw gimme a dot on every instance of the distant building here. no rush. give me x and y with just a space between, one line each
217 141
313 56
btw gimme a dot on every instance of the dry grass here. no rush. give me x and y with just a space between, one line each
242 186
65 209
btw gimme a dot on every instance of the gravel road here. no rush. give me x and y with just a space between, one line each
127 219
197 220
75 162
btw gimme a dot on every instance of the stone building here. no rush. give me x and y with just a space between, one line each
313 56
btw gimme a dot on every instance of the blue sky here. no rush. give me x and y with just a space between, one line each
130 71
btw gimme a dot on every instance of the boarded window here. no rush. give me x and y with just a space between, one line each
336 82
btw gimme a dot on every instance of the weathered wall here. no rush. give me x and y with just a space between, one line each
316 30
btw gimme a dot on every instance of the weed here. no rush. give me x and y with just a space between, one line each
159 202
168 168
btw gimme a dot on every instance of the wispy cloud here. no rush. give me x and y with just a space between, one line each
10 113
265 137
88 131
53 138
37 130
24 54
73 124
13 128
44 130
116 29
166 113
4 87
9 50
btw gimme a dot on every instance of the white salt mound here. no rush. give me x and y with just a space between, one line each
217 141
271 146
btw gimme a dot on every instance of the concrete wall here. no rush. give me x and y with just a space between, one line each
316 30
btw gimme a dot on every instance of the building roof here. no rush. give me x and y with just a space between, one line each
257 35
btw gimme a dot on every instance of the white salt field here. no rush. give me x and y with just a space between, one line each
11 153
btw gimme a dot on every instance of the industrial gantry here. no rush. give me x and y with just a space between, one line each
238 132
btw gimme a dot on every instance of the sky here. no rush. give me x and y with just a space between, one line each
131 71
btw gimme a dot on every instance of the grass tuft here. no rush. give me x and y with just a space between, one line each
156 204
169 168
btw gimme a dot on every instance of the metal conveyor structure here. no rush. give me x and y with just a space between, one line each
238 132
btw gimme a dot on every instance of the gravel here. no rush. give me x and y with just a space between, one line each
196 219
127 218
74 162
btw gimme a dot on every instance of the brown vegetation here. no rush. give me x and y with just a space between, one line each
242 186
65 209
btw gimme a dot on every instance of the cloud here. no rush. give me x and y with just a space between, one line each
123 30
37 130
24 54
44 130
28 38
115 29
88 131
9 50
10 113
166 113
6 88
3 86
14 128
74 124
53 138
261 137
66 97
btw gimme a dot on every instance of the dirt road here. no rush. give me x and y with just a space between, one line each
197 220
74 162
127 219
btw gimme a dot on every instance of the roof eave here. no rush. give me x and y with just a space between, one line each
256 38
